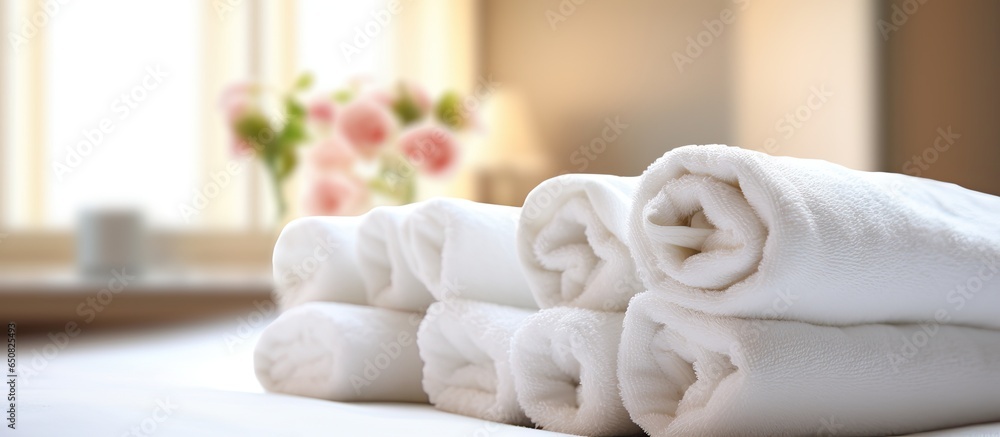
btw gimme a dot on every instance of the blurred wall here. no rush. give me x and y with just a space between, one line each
942 70
870 85
806 80
581 66
782 76
443 30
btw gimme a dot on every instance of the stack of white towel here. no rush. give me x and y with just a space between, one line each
724 291
815 299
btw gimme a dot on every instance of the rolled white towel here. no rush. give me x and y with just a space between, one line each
565 363
683 372
314 260
571 242
342 352
720 229
465 346
464 249
384 263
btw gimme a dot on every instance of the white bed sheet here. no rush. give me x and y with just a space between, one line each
106 384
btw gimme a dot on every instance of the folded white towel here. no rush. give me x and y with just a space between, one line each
314 260
465 346
683 372
384 263
464 249
571 242
565 363
722 230
342 352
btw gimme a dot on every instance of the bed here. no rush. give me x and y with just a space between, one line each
195 381
198 380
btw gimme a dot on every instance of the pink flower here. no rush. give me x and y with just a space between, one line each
333 153
382 97
430 147
234 110
322 112
334 194
366 125
236 100
240 147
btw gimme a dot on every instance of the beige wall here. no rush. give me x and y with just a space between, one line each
436 44
612 59
617 58
888 93
816 62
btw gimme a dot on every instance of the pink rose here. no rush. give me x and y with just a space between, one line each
240 147
366 125
430 147
334 194
238 93
382 97
322 112
236 108
233 111
333 153
236 101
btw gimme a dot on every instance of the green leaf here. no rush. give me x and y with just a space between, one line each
294 133
294 109
405 106
285 163
448 111
255 129
304 81
343 96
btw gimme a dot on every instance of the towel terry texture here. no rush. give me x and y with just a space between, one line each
683 372
314 260
384 261
342 352
565 363
464 249
571 242
465 346
733 232
785 296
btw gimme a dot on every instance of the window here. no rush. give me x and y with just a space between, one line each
330 46
121 125
113 105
